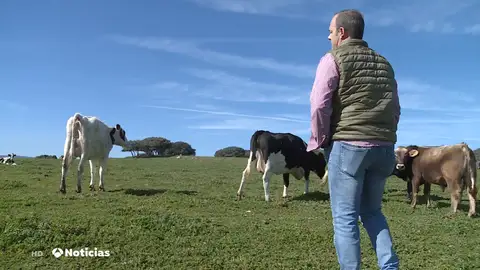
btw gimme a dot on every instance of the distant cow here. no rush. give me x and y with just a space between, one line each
451 166
9 159
281 153
90 139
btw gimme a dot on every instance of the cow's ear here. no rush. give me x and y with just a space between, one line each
117 126
413 153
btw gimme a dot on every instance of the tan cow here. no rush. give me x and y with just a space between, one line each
452 166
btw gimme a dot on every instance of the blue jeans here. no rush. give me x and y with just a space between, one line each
357 177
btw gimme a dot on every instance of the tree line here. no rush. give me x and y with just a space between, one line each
159 147
162 147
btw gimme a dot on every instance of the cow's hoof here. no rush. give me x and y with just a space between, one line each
62 190
92 188
101 188
471 214
79 190
239 197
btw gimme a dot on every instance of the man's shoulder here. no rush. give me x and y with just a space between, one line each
378 54
328 56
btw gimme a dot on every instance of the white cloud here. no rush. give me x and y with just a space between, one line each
254 124
217 58
415 16
438 133
259 7
421 96
199 41
11 105
169 86
227 113
473 29
224 86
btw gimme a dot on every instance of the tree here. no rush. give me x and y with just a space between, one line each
158 147
180 148
47 156
231 151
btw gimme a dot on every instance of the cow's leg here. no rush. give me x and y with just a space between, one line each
81 166
103 168
286 183
66 162
472 197
266 183
92 175
245 174
307 181
455 195
409 190
426 193
470 182
415 186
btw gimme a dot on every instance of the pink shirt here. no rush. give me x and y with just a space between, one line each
326 82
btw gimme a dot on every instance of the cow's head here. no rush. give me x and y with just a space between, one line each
11 156
119 136
403 160
317 162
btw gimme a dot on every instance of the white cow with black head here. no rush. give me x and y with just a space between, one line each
282 153
89 138
9 160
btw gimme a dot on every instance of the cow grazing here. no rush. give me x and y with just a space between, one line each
281 153
9 159
88 138
451 166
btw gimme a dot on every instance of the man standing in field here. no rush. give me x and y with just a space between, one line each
355 112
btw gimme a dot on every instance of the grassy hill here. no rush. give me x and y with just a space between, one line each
182 214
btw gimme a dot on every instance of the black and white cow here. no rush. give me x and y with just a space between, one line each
281 153
9 159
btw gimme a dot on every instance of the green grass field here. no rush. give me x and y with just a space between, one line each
183 214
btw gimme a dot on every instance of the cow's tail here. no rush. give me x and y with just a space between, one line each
470 173
71 131
252 160
324 178
254 141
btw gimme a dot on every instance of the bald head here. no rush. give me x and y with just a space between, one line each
351 21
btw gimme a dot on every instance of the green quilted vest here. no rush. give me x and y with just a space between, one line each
362 104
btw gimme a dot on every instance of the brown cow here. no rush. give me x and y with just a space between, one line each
452 166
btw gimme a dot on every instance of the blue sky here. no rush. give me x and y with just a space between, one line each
210 72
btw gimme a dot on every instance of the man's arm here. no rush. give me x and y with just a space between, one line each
326 82
396 103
